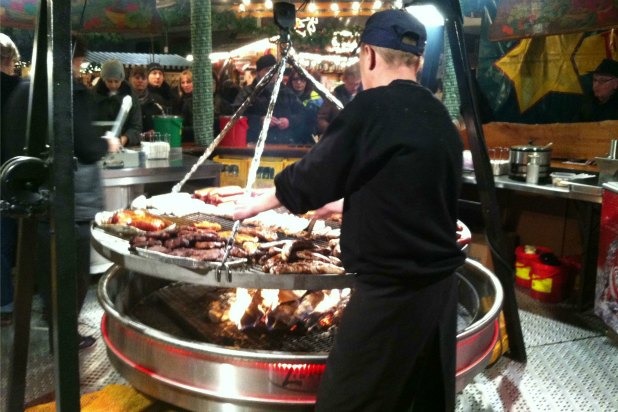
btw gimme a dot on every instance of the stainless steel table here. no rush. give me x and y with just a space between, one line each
589 198
123 185
577 191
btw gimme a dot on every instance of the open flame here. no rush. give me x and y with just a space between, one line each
287 309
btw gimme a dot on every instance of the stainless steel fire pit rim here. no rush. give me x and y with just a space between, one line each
203 348
493 312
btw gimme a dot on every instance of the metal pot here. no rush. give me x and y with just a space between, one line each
518 160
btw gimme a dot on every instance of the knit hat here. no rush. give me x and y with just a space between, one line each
112 69
397 30
154 66
265 62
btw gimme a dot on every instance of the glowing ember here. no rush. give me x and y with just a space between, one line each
285 309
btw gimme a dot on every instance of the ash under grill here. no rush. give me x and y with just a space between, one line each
183 310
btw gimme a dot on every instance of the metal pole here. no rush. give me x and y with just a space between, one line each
503 258
63 241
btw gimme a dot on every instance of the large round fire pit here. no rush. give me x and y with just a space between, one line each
163 360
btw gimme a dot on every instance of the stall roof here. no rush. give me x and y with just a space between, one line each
168 61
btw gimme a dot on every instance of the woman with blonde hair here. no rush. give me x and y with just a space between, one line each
183 106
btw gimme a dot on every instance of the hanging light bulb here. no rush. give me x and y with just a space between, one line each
246 2
312 8
334 7
377 5
268 4
242 8
355 6
398 4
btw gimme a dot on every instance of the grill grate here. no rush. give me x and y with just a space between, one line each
182 310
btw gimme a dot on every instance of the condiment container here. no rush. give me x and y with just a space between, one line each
518 158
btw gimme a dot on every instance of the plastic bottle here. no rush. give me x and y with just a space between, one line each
532 169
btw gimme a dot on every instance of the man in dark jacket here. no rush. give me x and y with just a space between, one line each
11 147
603 103
395 158
345 92
108 95
159 88
148 105
89 148
288 113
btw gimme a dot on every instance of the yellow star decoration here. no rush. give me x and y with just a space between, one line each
541 65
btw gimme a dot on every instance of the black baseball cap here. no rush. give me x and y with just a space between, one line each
608 67
397 30
265 62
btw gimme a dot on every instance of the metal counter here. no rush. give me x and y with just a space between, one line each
576 191
121 186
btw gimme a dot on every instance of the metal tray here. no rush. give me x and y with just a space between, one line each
585 189
190 263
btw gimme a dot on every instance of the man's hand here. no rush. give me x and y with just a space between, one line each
251 206
113 144
284 123
328 209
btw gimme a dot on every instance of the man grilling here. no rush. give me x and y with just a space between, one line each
395 158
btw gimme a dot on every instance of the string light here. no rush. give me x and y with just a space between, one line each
320 8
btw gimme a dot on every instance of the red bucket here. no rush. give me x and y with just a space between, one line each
237 135
548 283
525 255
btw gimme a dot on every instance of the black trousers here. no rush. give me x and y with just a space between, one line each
395 349
44 265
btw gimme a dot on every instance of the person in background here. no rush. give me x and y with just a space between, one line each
396 341
158 87
286 76
345 92
311 100
183 106
89 147
288 112
149 107
603 103
249 74
108 96
9 81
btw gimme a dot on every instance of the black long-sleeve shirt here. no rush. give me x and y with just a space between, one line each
395 157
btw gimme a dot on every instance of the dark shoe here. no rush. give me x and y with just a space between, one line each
6 318
86 342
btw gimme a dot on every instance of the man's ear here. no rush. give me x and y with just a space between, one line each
371 55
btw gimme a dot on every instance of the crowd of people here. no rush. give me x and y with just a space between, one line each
301 113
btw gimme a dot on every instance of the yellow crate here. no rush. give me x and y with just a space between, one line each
268 169
234 172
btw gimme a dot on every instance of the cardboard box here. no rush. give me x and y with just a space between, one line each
479 250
